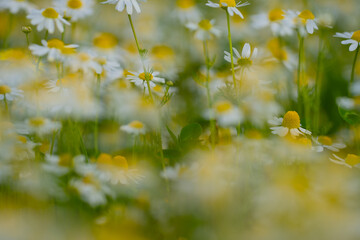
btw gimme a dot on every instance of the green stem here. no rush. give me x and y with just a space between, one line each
53 142
96 127
353 66
208 67
299 73
6 106
318 85
141 58
46 35
231 48
8 33
27 39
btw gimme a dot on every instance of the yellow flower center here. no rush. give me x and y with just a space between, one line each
276 14
304 142
136 125
223 107
74 4
244 62
185 4
22 139
84 57
105 41
291 120
356 36
157 88
325 140
13 54
227 3
104 159
306 15
65 160
352 159
120 162
50 13
68 50
5 89
205 24
55 43
37 121
275 48
162 52
146 76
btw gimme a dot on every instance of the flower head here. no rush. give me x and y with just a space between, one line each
47 19
352 38
128 4
289 124
230 5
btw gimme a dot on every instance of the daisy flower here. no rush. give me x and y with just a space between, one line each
40 126
75 9
84 62
243 60
129 4
60 165
352 38
290 124
204 30
230 5
276 19
54 49
326 142
226 113
15 6
47 19
140 79
116 170
9 93
186 11
305 20
135 127
350 161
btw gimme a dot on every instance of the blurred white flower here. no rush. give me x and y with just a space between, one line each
75 9
325 142
352 38
204 30
47 19
128 4
243 60
135 127
55 49
15 6
350 161
230 5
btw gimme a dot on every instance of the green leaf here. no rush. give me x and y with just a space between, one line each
350 116
190 132
173 136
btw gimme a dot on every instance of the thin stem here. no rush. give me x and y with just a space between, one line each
46 35
299 72
27 39
96 127
52 142
208 67
231 48
63 34
318 84
141 58
6 106
354 65
8 33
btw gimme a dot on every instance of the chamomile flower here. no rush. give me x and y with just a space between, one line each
325 142
40 126
230 5
290 124
116 170
305 20
47 18
352 38
186 11
140 79
277 20
54 49
128 4
9 93
243 60
60 165
226 113
135 127
204 30
15 6
75 9
350 161
84 62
